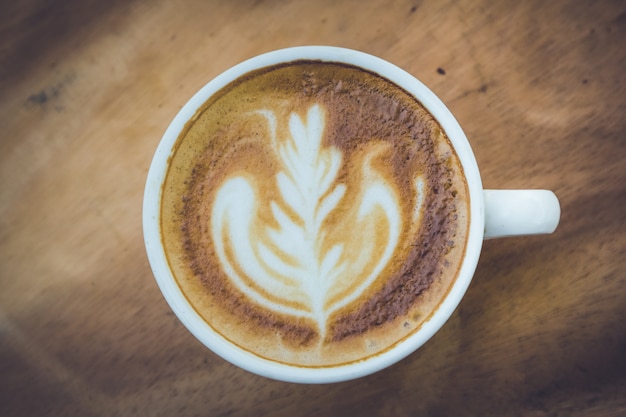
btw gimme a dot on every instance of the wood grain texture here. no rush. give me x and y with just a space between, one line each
86 90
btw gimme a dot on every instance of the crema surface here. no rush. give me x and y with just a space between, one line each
314 213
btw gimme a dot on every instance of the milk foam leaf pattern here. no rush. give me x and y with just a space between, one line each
296 266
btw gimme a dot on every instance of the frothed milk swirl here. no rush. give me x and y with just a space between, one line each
314 213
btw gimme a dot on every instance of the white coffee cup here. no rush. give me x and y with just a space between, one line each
493 213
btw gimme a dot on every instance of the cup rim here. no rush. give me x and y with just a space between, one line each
247 360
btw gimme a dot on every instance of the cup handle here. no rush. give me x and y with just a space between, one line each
520 212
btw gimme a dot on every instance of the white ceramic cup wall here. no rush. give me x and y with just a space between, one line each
493 213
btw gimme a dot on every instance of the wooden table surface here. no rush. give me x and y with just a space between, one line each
87 88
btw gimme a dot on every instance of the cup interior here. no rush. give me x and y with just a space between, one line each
242 358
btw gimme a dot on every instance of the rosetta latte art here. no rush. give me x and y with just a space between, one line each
296 266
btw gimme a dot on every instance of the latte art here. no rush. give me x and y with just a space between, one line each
295 266
314 213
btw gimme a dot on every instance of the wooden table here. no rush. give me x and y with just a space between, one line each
86 90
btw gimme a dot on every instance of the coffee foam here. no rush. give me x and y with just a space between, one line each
319 238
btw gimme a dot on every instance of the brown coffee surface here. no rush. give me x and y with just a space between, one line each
314 213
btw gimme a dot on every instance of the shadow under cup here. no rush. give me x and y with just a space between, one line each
165 270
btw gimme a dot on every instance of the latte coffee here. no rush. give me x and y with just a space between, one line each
314 213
